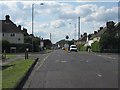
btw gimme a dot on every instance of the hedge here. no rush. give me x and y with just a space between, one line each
82 48
96 46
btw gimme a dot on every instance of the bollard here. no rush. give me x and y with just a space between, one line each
4 54
25 54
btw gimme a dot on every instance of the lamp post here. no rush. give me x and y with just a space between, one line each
78 28
33 24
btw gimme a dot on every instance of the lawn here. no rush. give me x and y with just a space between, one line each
14 71
0 79
10 56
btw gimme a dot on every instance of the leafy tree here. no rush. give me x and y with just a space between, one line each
109 41
5 46
96 46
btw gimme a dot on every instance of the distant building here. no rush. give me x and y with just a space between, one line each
11 32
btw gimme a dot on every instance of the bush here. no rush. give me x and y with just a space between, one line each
5 46
82 48
96 46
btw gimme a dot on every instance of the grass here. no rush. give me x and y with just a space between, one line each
0 79
13 74
10 55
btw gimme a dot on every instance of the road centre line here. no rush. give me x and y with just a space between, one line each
42 62
99 75
105 56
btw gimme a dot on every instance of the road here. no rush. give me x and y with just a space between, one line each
74 70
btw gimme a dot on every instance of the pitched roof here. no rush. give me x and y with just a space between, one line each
99 33
9 27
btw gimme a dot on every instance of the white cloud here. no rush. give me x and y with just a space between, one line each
57 23
58 14
43 25
104 15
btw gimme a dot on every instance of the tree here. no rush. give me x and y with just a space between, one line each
5 46
109 42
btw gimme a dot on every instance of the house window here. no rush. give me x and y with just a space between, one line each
3 35
12 34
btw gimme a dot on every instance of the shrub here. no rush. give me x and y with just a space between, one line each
96 46
82 47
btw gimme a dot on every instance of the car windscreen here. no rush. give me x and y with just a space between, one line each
73 46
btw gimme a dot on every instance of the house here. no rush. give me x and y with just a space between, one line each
97 34
11 32
83 38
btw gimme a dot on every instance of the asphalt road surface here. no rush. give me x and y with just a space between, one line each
59 69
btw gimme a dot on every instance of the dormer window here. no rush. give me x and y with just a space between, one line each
12 34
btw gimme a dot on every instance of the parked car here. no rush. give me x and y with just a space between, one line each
73 48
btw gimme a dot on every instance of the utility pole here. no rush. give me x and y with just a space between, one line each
78 28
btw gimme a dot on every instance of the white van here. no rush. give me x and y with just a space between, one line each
73 48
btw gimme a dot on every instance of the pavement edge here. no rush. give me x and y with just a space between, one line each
25 77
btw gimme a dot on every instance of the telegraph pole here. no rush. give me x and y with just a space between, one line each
78 28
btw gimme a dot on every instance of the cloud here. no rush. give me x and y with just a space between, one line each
43 25
59 14
58 23
102 14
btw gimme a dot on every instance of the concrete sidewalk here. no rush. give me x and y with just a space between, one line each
7 61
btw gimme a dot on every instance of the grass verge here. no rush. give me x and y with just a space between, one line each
10 56
14 72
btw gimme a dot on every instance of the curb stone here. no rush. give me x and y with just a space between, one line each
25 77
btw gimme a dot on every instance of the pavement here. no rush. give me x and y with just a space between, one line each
59 69
19 56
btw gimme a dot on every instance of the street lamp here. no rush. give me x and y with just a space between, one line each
33 24
78 28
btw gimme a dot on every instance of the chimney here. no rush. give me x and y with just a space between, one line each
110 24
95 32
85 34
98 30
7 17
19 27
81 35
101 28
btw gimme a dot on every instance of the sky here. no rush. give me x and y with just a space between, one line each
60 18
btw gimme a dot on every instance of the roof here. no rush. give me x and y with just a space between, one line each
9 27
99 33
84 38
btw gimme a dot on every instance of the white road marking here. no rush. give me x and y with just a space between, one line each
99 75
57 60
63 61
42 63
106 56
